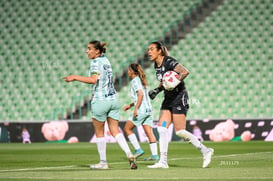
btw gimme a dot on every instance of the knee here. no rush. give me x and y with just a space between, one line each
114 131
184 135
181 133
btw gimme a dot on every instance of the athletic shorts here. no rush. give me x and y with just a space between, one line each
102 109
142 119
177 104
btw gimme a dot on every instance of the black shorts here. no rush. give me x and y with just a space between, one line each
176 103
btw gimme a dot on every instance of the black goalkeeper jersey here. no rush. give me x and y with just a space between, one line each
168 64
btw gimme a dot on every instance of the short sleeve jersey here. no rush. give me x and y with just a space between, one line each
104 88
145 107
168 64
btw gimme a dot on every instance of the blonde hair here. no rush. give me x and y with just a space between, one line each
138 70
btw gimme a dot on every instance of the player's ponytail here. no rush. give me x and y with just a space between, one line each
99 45
103 48
137 69
165 51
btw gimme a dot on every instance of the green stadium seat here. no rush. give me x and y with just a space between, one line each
37 34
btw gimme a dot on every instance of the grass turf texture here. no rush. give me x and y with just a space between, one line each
61 161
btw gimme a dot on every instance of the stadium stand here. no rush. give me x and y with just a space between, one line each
229 54
42 41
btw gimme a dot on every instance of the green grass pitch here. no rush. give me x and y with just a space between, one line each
44 161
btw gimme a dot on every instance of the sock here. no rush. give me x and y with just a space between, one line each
101 146
134 141
187 136
153 148
123 144
163 143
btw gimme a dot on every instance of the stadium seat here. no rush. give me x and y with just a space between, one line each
224 73
42 41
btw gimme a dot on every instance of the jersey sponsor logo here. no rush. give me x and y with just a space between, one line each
111 89
159 73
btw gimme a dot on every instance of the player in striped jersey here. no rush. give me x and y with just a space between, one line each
142 114
105 105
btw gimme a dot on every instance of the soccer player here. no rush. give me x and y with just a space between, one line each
142 114
174 106
105 105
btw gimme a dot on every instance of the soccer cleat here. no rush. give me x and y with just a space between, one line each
159 165
207 157
139 152
152 158
99 166
132 161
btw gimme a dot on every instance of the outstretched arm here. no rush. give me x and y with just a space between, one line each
89 80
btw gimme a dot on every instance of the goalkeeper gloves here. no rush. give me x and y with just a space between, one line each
153 93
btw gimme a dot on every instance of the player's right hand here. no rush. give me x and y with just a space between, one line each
126 107
153 93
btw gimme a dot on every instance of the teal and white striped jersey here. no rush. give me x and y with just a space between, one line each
104 88
145 107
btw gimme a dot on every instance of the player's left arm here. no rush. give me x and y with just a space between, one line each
182 72
89 80
139 101
127 107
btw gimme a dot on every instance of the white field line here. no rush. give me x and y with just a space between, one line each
39 168
118 163
197 158
223 156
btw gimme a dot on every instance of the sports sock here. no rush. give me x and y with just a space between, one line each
123 144
153 148
101 146
163 143
133 139
187 136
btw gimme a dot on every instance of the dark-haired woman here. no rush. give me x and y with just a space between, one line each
142 114
174 106
105 105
